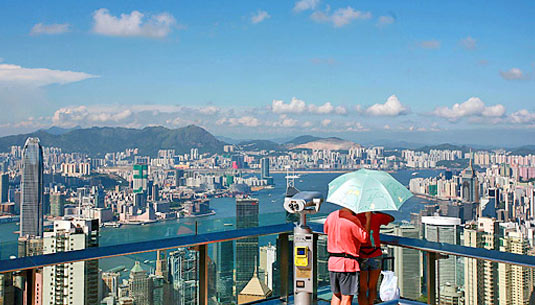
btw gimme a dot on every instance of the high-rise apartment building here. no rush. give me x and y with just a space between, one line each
247 248
264 163
57 201
31 206
4 187
407 264
110 284
140 178
76 282
481 277
268 256
183 276
444 230
516 282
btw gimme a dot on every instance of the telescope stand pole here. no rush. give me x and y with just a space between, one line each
300 232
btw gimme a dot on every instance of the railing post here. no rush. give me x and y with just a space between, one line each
284 248
431 277
315 268
203 275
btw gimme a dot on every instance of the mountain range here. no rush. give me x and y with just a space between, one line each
98 140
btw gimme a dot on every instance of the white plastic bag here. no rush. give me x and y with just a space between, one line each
389 289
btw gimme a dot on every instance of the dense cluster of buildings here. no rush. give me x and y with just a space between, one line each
63 199
518 167
491 209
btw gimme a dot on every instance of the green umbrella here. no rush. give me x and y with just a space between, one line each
367 190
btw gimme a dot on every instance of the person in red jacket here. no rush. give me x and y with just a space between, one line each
370 257
345 234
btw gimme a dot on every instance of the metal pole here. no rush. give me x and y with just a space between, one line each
315 265
301 297
431 277
284 263
203 274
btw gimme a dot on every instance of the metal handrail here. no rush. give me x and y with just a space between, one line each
38 261
31 262
450 249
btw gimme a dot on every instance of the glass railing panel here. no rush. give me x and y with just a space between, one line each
246 270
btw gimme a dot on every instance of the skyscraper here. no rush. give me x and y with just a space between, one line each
31 217
445 230
140 285
223 258
76 282
469 184
268 255
111 284
407 265
516 282
140 177
57 200
4 187
247 248
480 276
183 276
265 167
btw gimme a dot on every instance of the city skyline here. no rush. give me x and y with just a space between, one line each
358 70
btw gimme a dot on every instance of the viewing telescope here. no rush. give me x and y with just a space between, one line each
304 243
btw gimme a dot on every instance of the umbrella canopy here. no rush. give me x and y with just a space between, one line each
367 190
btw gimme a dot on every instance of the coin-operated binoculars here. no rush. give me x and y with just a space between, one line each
303 203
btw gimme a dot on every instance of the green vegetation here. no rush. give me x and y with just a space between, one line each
255 145
445 146
94 141
524 150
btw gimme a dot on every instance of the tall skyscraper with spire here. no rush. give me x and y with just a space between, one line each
469 184
31 217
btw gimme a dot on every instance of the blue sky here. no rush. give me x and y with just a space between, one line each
268 69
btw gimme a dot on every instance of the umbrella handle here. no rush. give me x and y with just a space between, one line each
372 241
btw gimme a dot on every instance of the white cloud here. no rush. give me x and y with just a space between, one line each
133 24
429 44
474 106
340 17
355 126
323 109
392 107
522 116
340 110
38 77
304 5
307 124
513 74
50 29
325 122
385 20
259 17
469 43
209 110
247 121
295 106
284 121
138 115
300 106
